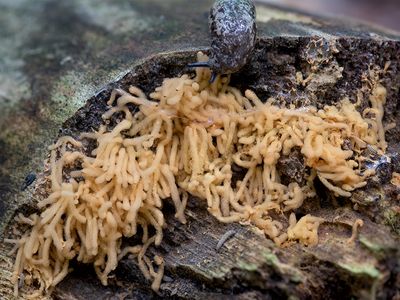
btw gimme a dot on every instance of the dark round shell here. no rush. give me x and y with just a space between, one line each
233 34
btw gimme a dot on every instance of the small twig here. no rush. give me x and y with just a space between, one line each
226 236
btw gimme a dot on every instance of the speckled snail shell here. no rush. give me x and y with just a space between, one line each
233 35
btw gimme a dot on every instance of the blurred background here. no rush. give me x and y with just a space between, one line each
381 12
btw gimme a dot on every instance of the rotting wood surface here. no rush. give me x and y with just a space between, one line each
248 265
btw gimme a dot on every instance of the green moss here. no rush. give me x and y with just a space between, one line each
361 269
373 247
247 266
271 258
392 218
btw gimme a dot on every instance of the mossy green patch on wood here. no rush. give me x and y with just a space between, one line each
361 269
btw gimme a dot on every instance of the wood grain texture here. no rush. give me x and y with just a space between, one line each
248 266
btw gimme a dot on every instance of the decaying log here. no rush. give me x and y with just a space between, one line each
338 63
